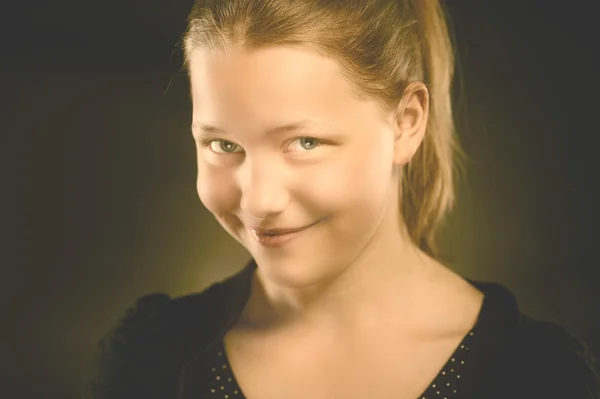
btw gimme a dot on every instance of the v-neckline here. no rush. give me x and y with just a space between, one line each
445 384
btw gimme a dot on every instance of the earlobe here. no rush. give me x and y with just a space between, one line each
403 151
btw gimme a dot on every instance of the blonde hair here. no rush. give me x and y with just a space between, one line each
381 47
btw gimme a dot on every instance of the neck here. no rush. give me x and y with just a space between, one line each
385 278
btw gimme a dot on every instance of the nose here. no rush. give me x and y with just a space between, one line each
263 189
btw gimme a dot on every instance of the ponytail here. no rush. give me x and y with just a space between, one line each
427 186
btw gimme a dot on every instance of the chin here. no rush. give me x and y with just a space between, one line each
293 272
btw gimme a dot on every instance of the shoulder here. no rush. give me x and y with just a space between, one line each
139 356
553 362
525 357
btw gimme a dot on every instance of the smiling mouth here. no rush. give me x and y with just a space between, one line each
281 231
277 237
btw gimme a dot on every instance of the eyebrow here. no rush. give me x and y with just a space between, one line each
205 128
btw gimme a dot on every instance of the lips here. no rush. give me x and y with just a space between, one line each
279 231
278 237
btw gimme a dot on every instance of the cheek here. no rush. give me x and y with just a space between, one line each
353 181
351 196
217 190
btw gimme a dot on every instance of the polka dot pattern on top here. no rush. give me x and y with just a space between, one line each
446 385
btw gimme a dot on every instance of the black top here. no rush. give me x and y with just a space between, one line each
168 348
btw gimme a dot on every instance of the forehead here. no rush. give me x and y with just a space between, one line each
279 78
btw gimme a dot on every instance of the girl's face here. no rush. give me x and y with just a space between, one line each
334 172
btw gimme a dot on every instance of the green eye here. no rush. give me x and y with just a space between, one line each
223 147
304 144
312 143
227 147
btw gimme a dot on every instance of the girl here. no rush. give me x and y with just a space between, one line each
325 146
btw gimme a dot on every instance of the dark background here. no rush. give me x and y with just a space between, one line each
99 172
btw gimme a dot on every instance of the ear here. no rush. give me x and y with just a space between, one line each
412 114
